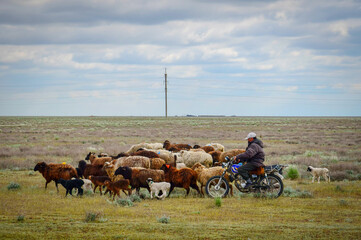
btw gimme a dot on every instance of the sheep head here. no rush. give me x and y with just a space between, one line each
126 172
198 166
40 166
166 144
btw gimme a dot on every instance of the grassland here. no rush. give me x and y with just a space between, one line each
327 211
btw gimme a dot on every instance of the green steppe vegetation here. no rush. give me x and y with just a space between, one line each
304 211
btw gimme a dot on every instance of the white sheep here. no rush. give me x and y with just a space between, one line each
88 186
180 165
148 146
318 172
191 158
216 146
156 187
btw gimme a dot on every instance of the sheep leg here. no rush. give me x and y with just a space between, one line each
56 185
319 179
195 186
171 189
231 187
313 179
46 184
138 190
202 190
188 189
151 194
129 192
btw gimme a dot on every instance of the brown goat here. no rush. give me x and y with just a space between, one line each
99 181
175 147
115 187
94 160
183 178
53 172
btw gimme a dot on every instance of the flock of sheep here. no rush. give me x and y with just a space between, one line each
155 166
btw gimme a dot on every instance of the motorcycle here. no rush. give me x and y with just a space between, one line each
266 179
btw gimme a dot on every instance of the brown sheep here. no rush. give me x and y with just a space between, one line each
145 153
53 172
94 160
89 169
99 181
219 157
156 163
183 178
203 174
207 149
115 187
138 176
175 147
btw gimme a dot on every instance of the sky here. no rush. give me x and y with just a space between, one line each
229 57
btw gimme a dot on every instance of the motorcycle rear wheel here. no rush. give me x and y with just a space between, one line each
275 185
213 190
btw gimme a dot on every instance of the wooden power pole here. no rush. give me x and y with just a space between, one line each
166 107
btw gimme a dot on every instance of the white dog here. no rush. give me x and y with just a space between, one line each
318 172
158 186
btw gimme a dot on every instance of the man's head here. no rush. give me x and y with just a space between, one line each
251 136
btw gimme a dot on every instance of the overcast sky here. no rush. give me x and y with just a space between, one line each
229 57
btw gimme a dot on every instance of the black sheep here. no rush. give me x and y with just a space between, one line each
70 184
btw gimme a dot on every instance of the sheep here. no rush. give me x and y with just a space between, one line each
132 161
145 153
180 165
156 163
70 184
96 160
110 169
88 186
115 187
89 169
138 176
318 172
219 157
175 147
183 178
136 147
197 150
157 187
53 172
204 174
207 149
216 146
139 152
166 155
99 181
190 158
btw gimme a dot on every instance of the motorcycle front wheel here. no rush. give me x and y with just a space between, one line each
217 187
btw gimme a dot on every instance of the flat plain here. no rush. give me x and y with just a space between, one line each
305 211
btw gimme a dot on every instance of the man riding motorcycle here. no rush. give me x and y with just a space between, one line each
253 157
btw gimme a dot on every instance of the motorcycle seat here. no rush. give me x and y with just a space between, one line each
258 171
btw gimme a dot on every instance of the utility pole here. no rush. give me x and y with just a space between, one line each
166 107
